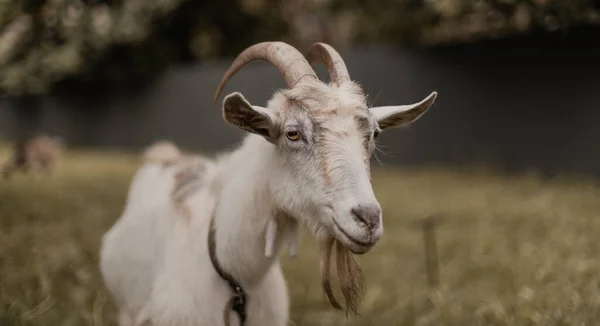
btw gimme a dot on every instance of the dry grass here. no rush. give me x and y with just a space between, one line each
514 251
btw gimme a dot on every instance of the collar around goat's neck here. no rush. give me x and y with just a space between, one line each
237 302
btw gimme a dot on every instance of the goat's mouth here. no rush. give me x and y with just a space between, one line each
356 246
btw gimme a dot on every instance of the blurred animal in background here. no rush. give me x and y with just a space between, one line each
35 154
198 241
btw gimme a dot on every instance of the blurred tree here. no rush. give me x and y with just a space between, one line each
444 21
100 44
89 46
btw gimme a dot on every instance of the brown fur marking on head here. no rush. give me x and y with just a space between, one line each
325 168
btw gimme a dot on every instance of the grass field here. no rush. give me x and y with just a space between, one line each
513 250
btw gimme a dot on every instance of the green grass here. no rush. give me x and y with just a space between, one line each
513 250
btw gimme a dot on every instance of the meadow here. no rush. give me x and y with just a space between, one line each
513 250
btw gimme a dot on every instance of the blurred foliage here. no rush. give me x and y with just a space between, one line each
120 43
125 43
428 22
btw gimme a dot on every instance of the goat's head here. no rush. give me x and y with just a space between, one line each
324 135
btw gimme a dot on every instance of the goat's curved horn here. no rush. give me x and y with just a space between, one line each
289 61
327 55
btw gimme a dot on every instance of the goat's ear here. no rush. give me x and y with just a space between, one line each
239 112
402 115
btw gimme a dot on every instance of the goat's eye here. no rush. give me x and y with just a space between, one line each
375 133
292 135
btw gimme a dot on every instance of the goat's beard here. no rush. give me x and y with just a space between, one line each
350 275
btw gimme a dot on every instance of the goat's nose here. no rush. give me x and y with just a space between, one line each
370 215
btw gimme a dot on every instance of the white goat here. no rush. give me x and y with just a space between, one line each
305 160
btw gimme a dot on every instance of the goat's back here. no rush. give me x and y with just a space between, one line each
134 247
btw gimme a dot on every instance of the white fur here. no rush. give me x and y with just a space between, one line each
155 262
293 238
271 238
162 151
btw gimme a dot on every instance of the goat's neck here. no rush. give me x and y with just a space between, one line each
244 208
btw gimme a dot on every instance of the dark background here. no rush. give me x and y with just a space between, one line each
522 101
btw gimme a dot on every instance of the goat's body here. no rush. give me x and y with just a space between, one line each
155 259
305 160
